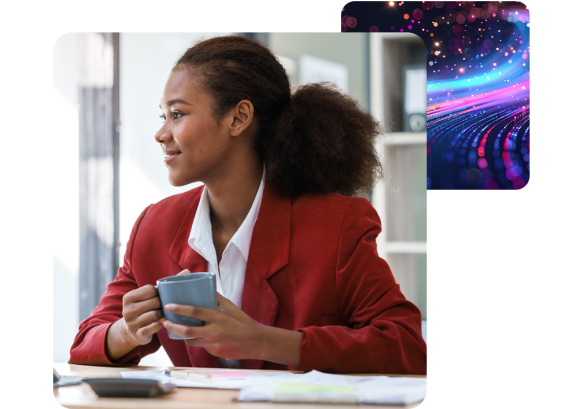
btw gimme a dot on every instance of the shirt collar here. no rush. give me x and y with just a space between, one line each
201 236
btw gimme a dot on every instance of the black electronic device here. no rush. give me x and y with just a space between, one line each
128 388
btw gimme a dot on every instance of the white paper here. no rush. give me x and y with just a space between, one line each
321 387
217 382
313 386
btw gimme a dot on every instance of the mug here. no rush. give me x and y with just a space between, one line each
195 289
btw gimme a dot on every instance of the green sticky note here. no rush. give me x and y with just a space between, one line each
299 387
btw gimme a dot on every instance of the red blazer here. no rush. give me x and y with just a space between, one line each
312 267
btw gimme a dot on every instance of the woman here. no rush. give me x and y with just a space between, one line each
301 285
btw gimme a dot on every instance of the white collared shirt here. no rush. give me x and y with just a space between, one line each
230 272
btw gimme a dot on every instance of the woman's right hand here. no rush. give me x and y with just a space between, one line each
142 316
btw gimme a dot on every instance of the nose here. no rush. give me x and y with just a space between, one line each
163 135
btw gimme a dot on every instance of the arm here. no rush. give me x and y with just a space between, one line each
385 329
280 345
230 333
90 345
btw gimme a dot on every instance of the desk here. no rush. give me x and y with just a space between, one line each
75 397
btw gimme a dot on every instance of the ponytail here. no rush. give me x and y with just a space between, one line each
316 140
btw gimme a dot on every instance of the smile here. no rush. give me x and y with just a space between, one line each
168 159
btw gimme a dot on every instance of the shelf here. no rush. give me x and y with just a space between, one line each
401 247
400 198
402 138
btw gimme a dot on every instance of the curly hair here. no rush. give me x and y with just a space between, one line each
314 140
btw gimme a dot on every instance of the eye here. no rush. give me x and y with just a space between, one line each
163 117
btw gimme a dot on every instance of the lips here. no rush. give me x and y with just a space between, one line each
170 156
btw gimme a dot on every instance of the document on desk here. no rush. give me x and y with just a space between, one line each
218 378
313 386
319 387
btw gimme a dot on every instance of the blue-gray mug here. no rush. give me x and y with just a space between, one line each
195 289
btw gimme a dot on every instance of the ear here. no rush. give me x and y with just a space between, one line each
243 118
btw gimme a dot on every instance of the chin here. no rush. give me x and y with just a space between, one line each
176 183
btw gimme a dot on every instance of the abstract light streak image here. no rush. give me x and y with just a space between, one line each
477 85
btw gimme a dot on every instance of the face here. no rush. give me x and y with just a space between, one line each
195 144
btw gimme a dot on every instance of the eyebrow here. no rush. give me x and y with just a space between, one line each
175 101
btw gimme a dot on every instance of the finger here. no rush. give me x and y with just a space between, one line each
220 299
145 292
149 317
185 271
140 294
149 330
222 302
187 332
146 319
147 305
134 310
203 314
197 342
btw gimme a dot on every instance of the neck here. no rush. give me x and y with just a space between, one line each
231 197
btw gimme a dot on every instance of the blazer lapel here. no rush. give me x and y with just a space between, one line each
180 251
269 252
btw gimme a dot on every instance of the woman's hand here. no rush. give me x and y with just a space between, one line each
231 333
228 332
142 316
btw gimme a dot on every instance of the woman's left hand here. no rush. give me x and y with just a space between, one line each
228 332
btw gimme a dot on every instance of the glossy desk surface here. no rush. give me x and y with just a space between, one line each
77 396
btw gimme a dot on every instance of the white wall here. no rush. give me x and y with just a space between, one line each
65 198
145 62
348 49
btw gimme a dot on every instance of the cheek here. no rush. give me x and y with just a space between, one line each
189 135
201 138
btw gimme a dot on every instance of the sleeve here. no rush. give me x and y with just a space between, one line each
89 344
384 333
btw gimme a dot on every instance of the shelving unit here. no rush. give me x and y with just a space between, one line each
400 199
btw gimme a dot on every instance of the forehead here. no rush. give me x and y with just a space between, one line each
181 84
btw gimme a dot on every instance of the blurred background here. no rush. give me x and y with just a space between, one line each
107 88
